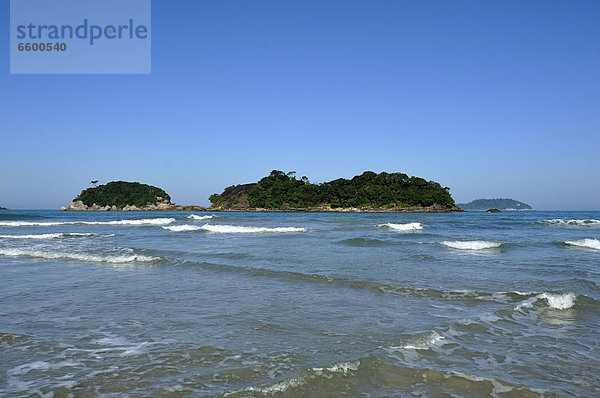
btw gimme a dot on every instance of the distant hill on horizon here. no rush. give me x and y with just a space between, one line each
501 204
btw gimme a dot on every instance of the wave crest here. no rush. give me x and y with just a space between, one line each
199 218
47 236
423 342
235 229
413 226
340 369
471 245
556 301
571 223
179 228
88 257
559 301
585 243
141 221
363 242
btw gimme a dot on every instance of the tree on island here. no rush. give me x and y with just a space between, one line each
123 193
383 190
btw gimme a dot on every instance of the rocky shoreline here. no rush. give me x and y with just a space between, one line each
327 209
79 206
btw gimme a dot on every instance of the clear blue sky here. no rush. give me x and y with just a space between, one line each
491 98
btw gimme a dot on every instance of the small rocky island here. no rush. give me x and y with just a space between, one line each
368 192
125 196
495 204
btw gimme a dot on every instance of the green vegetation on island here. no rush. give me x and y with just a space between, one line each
502 204
122 193
368 190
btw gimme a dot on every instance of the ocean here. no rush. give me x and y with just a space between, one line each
171 304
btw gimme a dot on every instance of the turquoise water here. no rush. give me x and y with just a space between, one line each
255 304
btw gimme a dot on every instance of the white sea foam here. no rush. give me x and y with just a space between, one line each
471 245
557 301
526 304
200 218
47 236
422 342
586 243
179 228
413 226
42 366
572 223
52 255
523 293
343 368
234 229
274 388
121 344
141 221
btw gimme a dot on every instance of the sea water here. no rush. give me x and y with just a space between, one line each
299 304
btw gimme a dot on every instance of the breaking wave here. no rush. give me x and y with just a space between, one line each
559 301
141 221
571 223
470 296
423 342
340 369
179 228
376 375
48 236
128 257
471 245
234 229
413 226
585 243
199 218
556 301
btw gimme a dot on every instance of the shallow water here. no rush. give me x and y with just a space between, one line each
165 304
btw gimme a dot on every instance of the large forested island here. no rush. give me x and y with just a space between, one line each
389 192
502 204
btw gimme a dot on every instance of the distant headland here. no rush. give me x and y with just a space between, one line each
279 191
501 204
